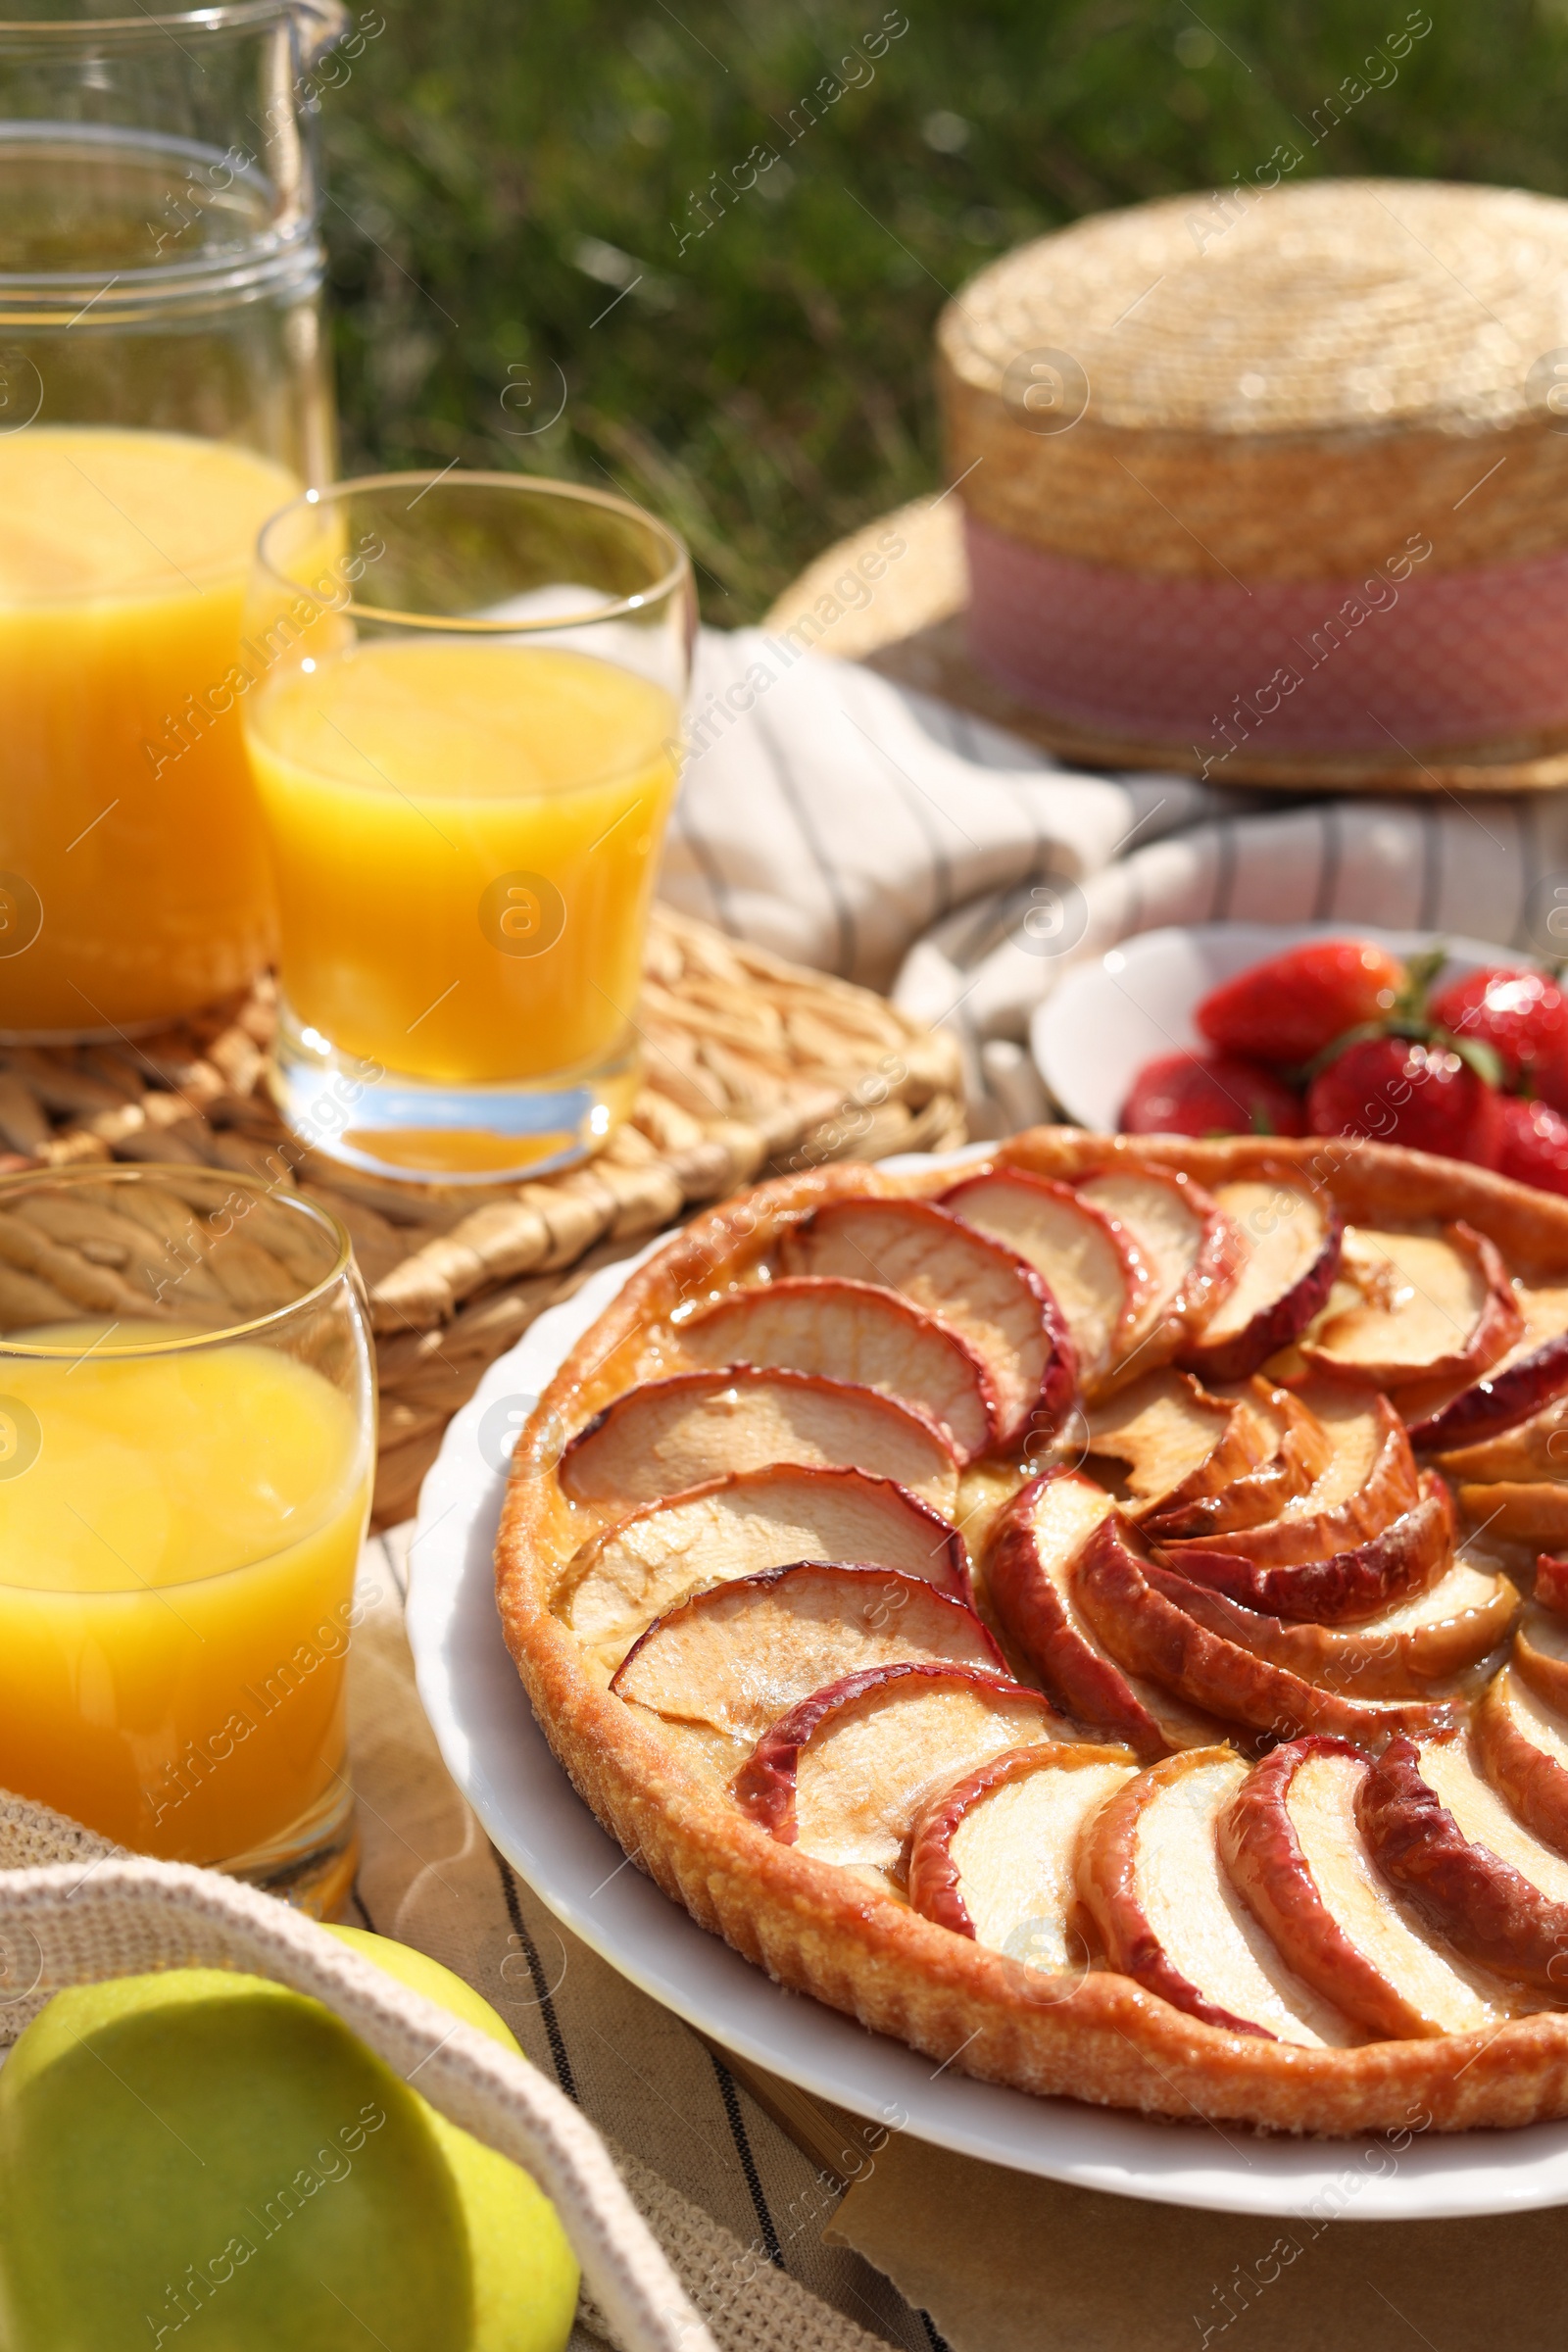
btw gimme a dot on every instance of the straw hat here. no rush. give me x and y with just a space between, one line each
1273 483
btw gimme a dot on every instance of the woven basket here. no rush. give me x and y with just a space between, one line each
100 1913
1190 433
753 1066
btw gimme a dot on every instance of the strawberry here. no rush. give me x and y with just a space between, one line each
1287 1009
1209 1094
1519 1013
1396 1089
1535 1144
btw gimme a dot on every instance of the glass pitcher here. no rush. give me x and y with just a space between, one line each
162 389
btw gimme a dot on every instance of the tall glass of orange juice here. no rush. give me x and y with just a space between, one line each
162 390
133 875
187 1449
464 773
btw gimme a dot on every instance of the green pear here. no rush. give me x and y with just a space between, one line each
421 1974
208 2161
524 2271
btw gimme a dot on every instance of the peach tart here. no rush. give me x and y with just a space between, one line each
1094 1615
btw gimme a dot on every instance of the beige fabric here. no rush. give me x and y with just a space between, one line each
750 2306
1007 2264
736 2205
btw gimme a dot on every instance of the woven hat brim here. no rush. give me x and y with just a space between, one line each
914 631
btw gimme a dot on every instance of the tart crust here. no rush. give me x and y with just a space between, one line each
826 1932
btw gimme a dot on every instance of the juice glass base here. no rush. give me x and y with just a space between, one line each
312 1865
423 1131
108 1035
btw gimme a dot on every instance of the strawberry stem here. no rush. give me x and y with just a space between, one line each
1483 1058
1475 1052
1339 1045
1420 971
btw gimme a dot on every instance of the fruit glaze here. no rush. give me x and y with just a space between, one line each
1096 1617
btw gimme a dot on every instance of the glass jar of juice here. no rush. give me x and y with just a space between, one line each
162 390
187 1409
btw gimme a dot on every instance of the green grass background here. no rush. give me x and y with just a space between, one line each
500 170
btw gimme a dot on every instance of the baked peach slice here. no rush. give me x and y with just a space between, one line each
1541 1654
1493 1403
1400 1653
1544 1309
1292 1848
1149 1875
994 1856
1028 1576
1291 1450
1088 1261
1402 1561
737 1656
1533 1447
1517 1510
1288 1237
619 1582
1179 1444
667 1436
1429 1308
948 1269
1552 1583
1139 1611
844 1773
851 1331
1523 1747
1520 1389
1188 1244
1370 1480
1441 1834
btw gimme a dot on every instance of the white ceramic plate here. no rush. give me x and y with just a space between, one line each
499 1758
1093 1034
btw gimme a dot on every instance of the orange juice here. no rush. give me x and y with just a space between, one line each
465 836
177 1572
133 877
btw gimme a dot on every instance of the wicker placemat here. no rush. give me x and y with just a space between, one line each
752 1066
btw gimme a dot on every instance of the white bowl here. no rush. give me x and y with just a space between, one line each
1094 1034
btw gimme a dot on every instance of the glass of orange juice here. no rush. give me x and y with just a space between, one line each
465 772
186 1447
463 777
163 388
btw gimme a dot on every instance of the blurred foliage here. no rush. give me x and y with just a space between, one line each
502 171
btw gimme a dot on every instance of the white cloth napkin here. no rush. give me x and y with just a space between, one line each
866 830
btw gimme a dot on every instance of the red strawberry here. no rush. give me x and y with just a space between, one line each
1289 1008
1209 1094
1535 1144
1396 1090
1522 1015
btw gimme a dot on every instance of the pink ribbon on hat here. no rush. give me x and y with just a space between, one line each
1404 659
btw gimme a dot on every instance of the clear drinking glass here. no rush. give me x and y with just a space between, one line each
162 389
464 734
187 1412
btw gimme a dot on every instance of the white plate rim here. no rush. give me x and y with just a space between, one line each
505 1768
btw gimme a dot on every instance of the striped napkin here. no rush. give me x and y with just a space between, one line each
861 828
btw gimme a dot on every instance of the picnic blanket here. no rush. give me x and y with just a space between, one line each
858 827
